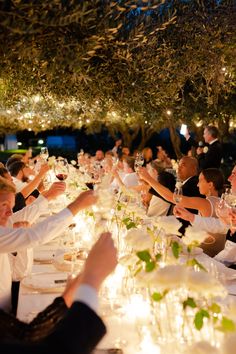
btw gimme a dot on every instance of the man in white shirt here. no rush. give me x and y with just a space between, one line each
16 239
81 329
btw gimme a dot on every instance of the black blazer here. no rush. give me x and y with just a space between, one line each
77 333
190 189
212 158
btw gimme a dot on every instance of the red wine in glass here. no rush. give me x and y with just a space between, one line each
61 176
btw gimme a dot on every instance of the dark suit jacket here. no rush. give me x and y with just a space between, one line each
77 333
212 158
190 189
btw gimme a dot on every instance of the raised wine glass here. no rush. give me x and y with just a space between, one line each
178 194
61 169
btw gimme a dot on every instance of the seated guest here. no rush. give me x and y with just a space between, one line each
147 155
130 179
159 206
20 239
210 184
20 173
117 148
99 155
125 151
163 157
211 224
19 198
75 331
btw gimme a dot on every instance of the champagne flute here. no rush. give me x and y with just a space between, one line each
178 194
61 169
139 161
44 154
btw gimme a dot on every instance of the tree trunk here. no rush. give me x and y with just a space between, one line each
175 140
146 133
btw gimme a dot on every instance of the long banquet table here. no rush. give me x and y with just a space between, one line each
121 331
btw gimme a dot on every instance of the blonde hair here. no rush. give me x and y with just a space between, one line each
5 186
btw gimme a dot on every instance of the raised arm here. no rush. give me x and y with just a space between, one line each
203 205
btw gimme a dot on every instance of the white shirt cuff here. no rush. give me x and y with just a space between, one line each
88 295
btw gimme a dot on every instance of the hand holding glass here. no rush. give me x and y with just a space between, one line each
177 195
61 169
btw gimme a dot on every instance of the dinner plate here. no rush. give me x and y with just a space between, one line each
46 282
65 262
44 256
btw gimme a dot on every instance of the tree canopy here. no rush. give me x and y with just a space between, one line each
128 65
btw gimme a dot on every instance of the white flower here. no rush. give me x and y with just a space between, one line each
205 149
205 284
174 164
169 277
169 223
178 184
139 239
73 162
194 236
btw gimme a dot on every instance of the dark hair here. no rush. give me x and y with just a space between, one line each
129 160
212 130
3 171
13 159
16 167
167 179
215 176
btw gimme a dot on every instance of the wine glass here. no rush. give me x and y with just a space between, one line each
139 161
61 169
178 194
44 154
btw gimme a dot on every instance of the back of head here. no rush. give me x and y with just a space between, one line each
3 171
213 131
215 176
167 179
6 187
157 166
12 159
15 167
129 160
191 165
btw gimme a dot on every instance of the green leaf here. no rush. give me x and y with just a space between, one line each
157 297
138 270
189 303
150 266
227 325
158 256
198 319
144 256
175 249
193 262
215 308
119 207
130 225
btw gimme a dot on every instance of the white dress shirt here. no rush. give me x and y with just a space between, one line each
131 179
18 184
88 295
12 240
157 207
